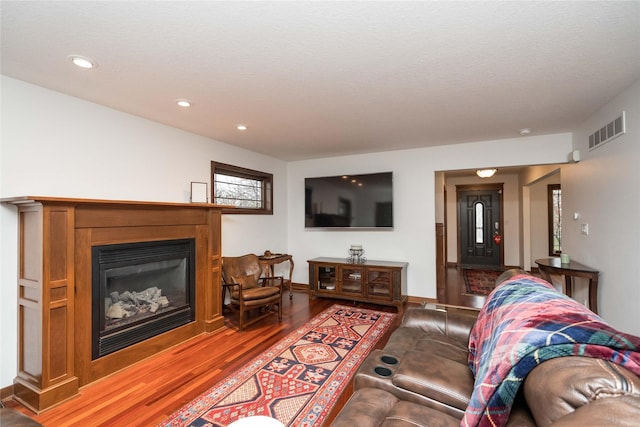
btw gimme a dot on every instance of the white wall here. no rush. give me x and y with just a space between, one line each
413 237
56 145
604 189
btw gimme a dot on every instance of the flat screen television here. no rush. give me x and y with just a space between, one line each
349 201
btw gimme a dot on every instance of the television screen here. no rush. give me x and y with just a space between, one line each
349 201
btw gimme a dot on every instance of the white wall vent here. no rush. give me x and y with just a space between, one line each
607 132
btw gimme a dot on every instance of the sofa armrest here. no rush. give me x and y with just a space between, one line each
581 390
614 411
455 323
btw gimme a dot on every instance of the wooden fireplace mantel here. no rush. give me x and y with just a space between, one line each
54 285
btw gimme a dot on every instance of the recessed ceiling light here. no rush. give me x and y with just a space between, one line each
83 61
184 102
525 131
242 127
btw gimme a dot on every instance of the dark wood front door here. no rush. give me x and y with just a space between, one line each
479 222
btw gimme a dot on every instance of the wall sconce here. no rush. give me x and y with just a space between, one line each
486 173
199 192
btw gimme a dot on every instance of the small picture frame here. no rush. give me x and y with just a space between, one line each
199 192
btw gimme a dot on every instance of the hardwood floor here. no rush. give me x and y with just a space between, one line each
149 391
454 295
454 290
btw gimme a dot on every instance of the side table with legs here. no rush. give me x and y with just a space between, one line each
549 266
269 262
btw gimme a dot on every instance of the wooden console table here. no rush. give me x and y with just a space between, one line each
269 262
377 282
549 266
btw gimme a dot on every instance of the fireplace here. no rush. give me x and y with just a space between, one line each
140 290
57 238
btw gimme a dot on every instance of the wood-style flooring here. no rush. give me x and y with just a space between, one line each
454 288
151 390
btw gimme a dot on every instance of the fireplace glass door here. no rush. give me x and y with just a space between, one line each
140 290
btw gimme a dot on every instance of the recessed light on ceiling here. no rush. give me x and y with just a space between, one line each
525 131
242 127
83 61
184 102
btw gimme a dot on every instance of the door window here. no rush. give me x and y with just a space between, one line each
479 214
554 206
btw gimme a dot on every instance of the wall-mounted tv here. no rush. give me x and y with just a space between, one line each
349 201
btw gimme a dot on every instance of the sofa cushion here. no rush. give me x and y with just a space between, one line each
436 377
405 339
408 414
369 407
567 385
451 322
443 346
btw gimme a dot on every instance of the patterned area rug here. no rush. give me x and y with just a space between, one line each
479 282
297 380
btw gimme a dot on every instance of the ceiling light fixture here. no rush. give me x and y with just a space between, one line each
525 131
183 102
242 127
486 173
83 61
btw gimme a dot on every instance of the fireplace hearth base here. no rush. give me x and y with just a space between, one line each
56 237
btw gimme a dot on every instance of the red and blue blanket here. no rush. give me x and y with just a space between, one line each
525 322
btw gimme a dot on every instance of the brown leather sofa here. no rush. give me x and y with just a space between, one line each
422 378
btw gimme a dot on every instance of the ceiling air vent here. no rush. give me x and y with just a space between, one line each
607 132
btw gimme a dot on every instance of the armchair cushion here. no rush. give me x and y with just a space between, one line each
250 289
257 293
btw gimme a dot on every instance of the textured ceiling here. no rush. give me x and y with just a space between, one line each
317 79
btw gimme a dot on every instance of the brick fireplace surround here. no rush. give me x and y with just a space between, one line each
54 286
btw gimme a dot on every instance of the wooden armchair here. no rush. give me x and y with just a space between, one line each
249 290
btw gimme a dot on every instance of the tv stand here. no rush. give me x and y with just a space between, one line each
376 282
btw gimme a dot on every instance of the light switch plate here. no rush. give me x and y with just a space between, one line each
584 229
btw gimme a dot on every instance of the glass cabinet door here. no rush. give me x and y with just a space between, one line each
351 280
379 284
326 278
